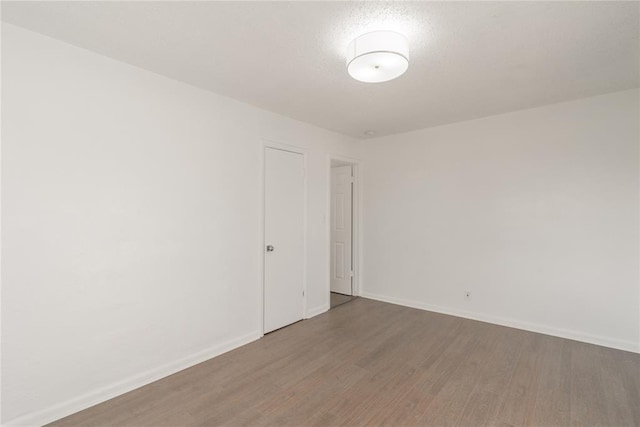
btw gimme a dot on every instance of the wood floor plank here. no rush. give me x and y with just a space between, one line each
519 399
623 405
630 373
553 396
453 391
372 363
409 410
588 398
493 379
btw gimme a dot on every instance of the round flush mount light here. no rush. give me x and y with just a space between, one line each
378 56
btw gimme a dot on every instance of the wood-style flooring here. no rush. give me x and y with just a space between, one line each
339 299
372 363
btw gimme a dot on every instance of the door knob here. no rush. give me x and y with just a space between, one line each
269 248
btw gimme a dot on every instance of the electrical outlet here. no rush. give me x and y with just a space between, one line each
467 295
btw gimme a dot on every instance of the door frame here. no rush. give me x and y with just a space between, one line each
356 213
263 146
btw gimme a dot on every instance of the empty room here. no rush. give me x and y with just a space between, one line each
323 213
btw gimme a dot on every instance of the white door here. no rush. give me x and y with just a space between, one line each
284 238
341 229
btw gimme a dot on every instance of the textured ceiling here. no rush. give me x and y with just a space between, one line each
468 59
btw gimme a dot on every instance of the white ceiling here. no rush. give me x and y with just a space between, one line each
468 59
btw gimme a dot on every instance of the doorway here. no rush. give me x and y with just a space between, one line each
342 231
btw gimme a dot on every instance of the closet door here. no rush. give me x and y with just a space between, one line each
284 238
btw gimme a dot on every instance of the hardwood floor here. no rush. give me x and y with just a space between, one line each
339 299
374 363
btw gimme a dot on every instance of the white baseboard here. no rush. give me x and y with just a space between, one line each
100 395
315 311
512 323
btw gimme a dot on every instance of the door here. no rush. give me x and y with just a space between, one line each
341 229
284 238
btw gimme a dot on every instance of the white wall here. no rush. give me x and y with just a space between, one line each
535 212
131 209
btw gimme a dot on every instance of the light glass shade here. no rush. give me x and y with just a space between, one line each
378 56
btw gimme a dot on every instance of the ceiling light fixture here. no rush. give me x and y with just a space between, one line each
378 56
